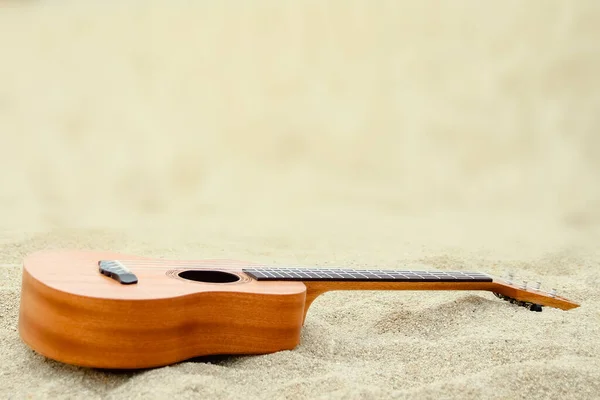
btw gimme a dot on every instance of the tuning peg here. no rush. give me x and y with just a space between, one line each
538 285
553 293
524 285
509 278
536 308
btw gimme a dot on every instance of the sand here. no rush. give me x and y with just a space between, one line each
459 135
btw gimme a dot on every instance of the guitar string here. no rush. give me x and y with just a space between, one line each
229 266
231 262
219 263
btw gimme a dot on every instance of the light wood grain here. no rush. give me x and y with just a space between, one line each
111 328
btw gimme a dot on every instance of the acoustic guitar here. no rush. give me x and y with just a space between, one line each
116 311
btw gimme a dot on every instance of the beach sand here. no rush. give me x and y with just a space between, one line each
374 134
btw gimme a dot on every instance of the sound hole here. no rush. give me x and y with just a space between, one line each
209 276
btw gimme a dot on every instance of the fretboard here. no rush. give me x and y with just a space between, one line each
335 274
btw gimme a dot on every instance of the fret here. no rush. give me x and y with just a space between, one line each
333 274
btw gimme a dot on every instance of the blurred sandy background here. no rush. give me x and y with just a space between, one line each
448 135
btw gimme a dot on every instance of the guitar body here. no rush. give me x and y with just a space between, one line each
71 313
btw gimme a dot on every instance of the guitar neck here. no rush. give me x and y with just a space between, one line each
326 279
357 275
320 280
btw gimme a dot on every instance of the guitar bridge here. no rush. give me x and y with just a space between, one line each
526 304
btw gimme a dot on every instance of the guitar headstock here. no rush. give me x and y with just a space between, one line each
532 298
